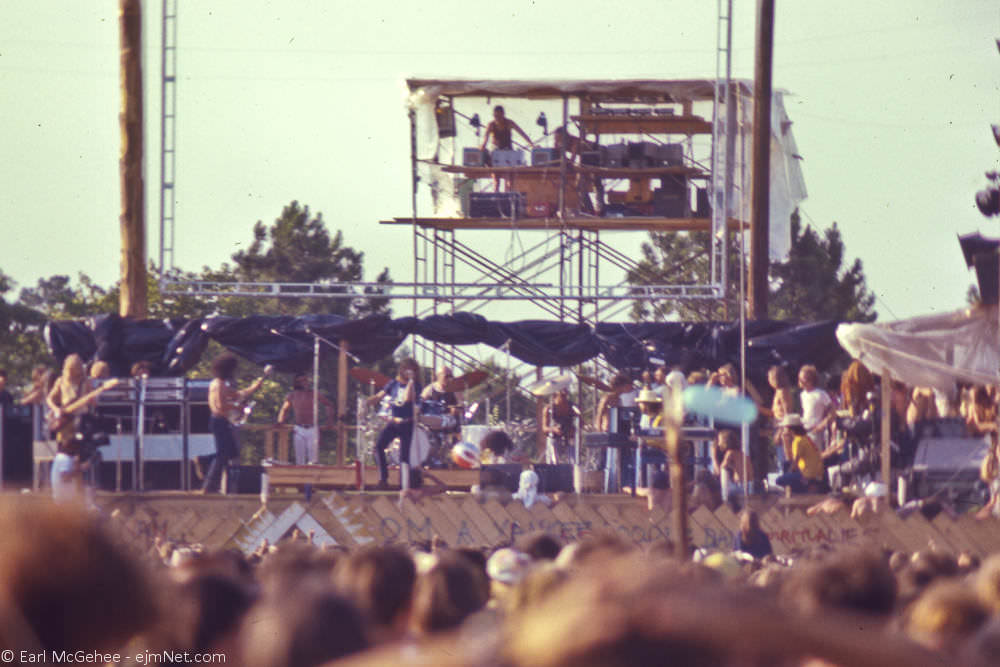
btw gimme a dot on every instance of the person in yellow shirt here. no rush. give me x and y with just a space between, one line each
806 465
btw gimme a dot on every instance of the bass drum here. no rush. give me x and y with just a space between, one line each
420 447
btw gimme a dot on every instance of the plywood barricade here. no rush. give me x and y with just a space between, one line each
354 520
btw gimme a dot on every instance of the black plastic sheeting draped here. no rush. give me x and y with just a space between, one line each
173 347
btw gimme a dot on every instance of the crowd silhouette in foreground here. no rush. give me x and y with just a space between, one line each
71 581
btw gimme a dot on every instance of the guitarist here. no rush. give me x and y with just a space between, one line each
68 389
224 400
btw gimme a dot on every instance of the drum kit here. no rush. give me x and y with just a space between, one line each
436 420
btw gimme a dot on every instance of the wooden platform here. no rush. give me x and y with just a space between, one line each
345 478
584 224
460 519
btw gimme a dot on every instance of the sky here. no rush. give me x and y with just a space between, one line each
304 100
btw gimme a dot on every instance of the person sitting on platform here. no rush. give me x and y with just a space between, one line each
223 401
750 538
305 438
806 466
402 391
502 129
558 426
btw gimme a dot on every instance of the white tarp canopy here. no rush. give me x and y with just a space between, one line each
932 350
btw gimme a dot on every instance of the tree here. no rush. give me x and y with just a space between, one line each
21 344
811 285
682 258
297 248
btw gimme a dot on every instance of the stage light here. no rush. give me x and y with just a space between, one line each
543 122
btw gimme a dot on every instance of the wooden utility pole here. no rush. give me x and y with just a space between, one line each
759 215
132 300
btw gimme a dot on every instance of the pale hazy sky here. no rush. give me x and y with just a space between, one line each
281 100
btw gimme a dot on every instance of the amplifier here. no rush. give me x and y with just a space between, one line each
554 477
542 210
703 208
669 205
541 157
496 205
592 158
506 475
507 158
671 155
16 445
472 157
243 479
616 155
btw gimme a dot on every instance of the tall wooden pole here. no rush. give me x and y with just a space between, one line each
132 299
886 431
759 215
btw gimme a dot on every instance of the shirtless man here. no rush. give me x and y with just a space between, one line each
299 401
223 401
502 129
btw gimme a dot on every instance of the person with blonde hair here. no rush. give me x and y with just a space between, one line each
70 386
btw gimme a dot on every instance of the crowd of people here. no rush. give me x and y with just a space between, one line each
813 436
73 582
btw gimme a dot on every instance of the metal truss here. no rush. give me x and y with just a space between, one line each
429 291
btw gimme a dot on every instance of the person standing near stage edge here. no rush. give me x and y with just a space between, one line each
223 401
402 392
305 437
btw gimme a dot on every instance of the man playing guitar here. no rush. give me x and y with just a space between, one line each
224 400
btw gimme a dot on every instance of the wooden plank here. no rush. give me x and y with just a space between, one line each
392 528
955 536
353 532
495 533
502 519
632 224
431 516
584 508
469 532
986 531
577 524
716 534
728 519
910 532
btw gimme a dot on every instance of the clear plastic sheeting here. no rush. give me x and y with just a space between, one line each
930 351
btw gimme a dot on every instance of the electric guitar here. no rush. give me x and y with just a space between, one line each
240 413
66 413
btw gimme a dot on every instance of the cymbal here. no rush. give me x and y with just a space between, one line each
368 376
467 381
550 386
594 382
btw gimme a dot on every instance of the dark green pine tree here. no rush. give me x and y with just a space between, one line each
811 285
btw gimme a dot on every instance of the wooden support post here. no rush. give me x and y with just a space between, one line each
672 416
761 190
342 402
132 298
886 431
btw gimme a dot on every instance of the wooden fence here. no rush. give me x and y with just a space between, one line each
352 520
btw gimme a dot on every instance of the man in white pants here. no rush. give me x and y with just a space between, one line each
305 439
